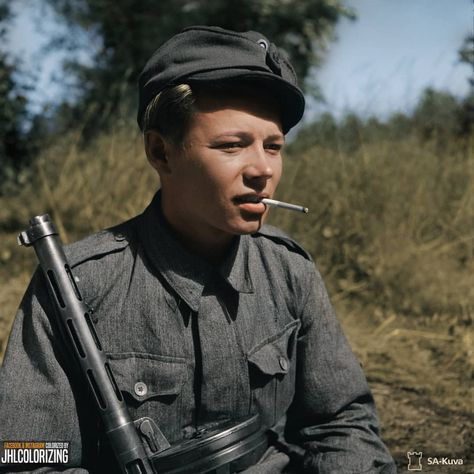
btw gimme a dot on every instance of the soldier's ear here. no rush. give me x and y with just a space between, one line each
155 148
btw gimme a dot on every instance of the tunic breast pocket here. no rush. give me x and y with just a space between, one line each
272 372
152 386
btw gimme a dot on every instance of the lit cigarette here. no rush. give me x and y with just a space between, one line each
284 205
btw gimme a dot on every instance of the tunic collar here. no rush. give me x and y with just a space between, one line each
185 272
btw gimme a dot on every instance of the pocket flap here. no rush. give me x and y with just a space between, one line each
273 355
144 376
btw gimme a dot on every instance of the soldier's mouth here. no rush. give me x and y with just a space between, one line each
249 198
250 203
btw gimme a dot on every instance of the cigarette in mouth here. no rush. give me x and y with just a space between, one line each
285 205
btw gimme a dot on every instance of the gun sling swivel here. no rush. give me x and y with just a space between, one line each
139 446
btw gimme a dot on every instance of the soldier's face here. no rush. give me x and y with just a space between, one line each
230 158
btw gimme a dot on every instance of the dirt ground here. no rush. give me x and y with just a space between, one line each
421 371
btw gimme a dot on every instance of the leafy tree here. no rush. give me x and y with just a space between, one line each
13 150
400 126
350 133
322 132
437 115
466 55
128 31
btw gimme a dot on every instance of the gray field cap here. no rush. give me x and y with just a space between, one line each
208 54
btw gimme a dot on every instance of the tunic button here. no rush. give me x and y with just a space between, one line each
141 389
283 363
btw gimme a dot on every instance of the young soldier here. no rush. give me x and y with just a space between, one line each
205 313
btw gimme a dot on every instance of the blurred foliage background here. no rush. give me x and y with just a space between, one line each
391 222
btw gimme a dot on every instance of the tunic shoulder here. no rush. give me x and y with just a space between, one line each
100 244
273 235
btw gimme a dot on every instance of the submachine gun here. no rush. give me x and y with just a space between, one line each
139 446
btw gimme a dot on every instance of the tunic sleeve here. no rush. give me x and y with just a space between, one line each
40 396
333 414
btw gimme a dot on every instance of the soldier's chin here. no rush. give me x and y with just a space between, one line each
250 223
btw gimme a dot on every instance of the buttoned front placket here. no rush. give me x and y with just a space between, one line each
225 384
207 298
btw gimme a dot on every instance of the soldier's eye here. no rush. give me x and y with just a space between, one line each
229 146
276 147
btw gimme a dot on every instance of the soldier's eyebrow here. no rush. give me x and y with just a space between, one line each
248 136
276 136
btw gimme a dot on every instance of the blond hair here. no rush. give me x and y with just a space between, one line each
170 112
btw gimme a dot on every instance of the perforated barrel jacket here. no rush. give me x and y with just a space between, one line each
190 343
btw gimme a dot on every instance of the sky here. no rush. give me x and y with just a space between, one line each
378 65
394 50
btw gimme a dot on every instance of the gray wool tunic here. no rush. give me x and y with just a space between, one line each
191 343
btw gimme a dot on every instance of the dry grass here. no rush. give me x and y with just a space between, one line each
390 225
85 189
